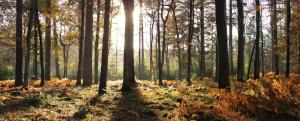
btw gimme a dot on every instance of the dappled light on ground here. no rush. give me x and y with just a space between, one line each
264 99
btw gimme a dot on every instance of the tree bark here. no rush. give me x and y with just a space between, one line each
257 53
223 65
241 42
81 42
96 56
189 44
128 75
288 43
177 42
28 46
230 39
104 62
275 40
88 43
56 48
48 42
159 64
38 26
202 49
35 61
19 44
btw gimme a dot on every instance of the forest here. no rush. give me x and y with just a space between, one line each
150 60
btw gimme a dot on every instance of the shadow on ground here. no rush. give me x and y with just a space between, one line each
132 107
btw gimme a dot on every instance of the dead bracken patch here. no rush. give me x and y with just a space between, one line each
264 99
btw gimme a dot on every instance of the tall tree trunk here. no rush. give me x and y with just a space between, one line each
104 62
275 40
151 47
257 54
288 23
159 64
223 65
35 61
56 48
28 46
141 42
230 39
177 42
81 28
48 42
88 43
262 47
189 44
202 49
38 26
19 44
96 56
128 76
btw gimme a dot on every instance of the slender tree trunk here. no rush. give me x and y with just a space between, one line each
104 62
28 46
151 47
257 53
159 63
38 25
80 39
262 48
202 49
35 61
223 65
48 42
177 42
167 63
230 39
128 76
288 23
141 42
96 56
189 44
88 43
19 44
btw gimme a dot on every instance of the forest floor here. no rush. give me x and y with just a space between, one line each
265 99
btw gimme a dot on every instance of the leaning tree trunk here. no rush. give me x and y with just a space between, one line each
257 54
128 75
80 39
19 44
28 46
48 42
88 43
223 65
105 44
